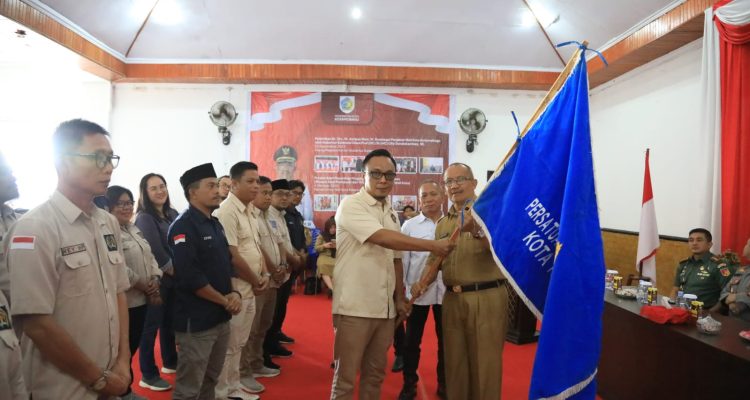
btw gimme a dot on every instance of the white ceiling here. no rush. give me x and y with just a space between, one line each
469 33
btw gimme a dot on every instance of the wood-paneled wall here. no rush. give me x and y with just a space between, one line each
620 250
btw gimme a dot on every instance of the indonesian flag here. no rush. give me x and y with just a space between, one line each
648 237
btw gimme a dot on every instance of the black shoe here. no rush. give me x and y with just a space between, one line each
408 391
280 351
283 338
398 364
441 390
268 363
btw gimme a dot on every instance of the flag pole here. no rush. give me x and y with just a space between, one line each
545 101
435 265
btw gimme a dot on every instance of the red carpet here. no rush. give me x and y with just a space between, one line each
307 374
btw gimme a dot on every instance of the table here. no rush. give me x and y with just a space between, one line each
643 360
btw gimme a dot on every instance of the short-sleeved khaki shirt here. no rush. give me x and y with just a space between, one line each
364 277
241 230
67 264
139 260
270 240
471 261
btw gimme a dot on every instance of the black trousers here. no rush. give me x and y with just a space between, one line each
136 320
282 298
413 339
399 337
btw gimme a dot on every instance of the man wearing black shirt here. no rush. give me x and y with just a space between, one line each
205 298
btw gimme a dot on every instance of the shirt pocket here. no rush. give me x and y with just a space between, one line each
77 278
8 336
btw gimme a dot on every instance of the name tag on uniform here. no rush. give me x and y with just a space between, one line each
207 237
76 248
4 318
111 242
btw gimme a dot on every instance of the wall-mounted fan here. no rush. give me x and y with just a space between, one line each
472 122
223 114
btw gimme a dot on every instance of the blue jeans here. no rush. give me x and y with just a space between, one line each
158 318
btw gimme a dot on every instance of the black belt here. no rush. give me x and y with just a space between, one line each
474 287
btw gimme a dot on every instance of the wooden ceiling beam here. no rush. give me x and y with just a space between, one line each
339 74
676 28
92 58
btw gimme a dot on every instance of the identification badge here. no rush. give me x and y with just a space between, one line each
111 242
4 318
76 248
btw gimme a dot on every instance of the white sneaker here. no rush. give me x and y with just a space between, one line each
266 372
165 370
240 395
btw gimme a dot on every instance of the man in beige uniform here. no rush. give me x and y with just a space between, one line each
68 277
369 279
271 244
12 386
475 306
241 230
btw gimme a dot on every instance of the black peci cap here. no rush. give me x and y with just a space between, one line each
197 173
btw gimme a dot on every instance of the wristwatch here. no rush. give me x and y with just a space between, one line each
100 382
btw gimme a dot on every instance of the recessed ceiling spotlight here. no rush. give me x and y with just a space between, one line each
356 13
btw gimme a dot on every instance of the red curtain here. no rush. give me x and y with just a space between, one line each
734 45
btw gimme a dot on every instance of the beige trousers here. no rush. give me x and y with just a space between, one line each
474 327
361 345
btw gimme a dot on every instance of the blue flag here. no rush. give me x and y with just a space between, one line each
540 214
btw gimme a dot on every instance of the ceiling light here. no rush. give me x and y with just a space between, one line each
543 14
356 13
527 19
167 12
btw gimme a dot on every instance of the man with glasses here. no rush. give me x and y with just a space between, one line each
475 305
225 185
68 277
369 290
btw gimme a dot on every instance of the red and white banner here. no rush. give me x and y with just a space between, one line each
648 235
322 139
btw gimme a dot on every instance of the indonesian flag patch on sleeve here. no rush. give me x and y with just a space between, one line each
22 242
179 238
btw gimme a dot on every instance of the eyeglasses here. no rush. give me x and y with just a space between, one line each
101 159
377 175
458 180
124 204
297 193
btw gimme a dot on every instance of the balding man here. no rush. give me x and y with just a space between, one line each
475 306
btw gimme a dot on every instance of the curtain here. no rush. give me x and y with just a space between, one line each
732 21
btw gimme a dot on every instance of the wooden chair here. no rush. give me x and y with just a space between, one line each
636 278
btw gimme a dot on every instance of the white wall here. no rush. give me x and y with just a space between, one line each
165 127
655 106
33 101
